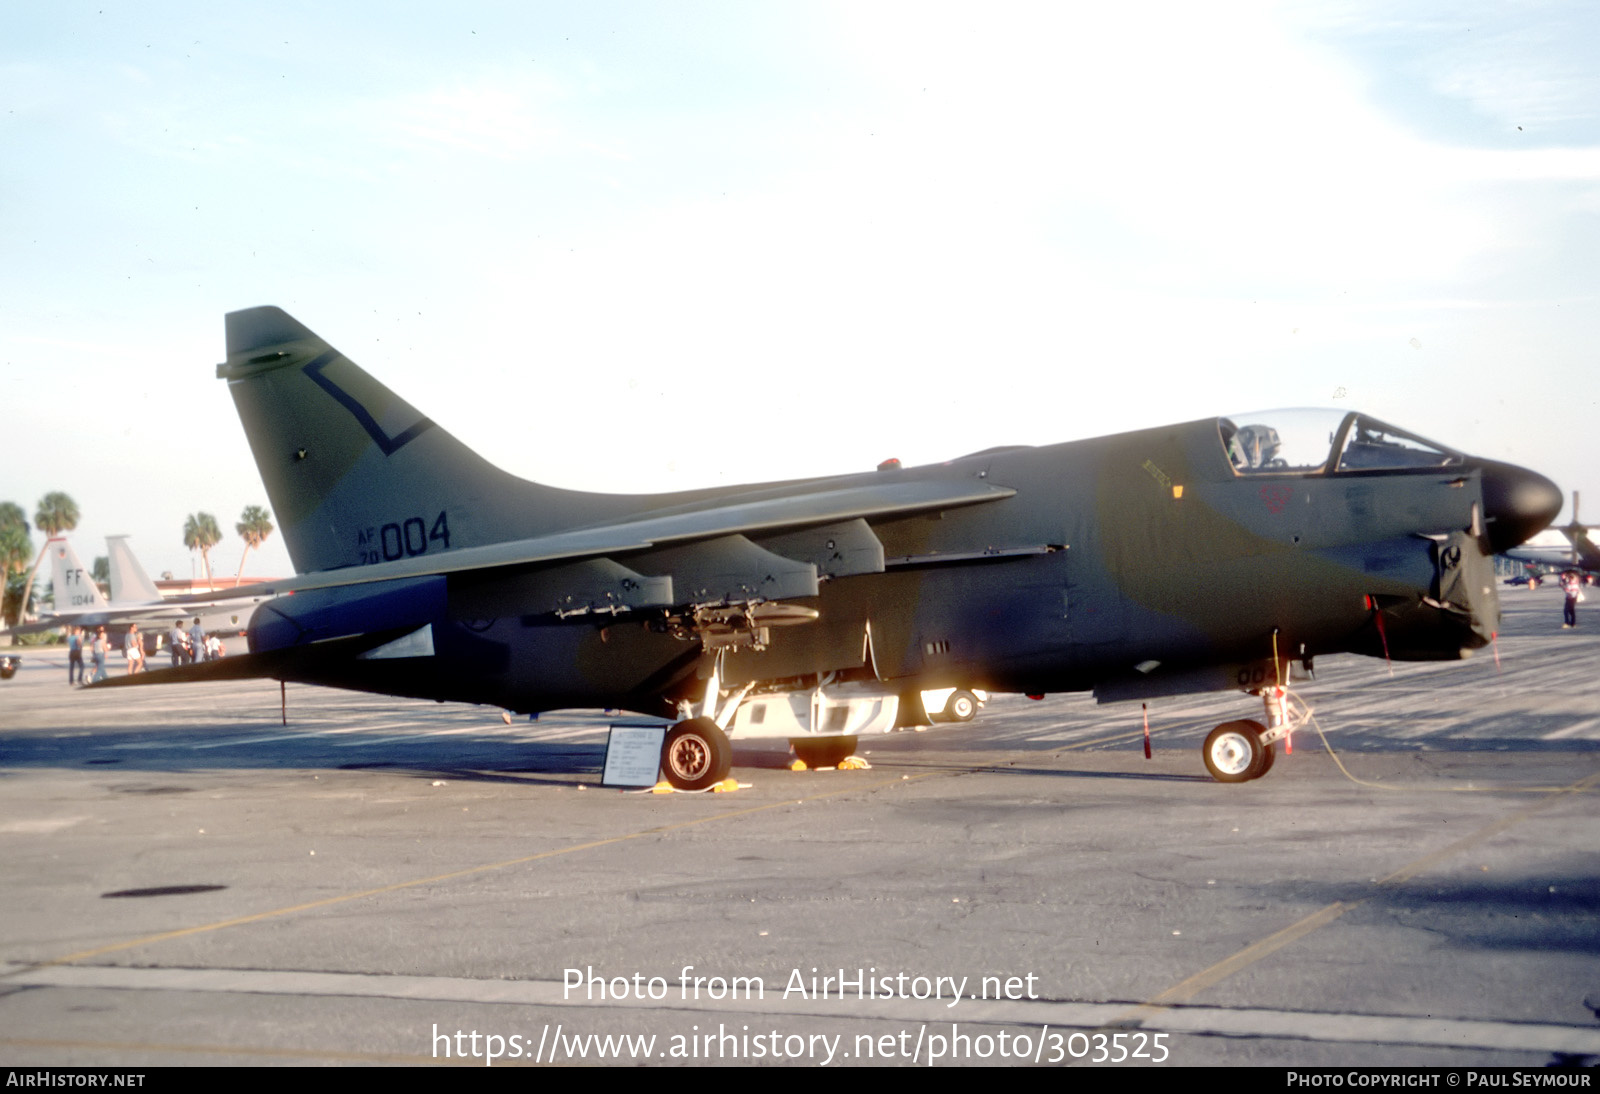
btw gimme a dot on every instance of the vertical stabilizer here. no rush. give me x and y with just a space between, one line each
71 585
355 474
129 581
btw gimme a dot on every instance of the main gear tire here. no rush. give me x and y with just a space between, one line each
962 706
696 754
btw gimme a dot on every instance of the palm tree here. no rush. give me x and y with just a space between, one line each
255 525
15 549
200 533
57 513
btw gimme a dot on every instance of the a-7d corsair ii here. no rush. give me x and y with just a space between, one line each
1201 556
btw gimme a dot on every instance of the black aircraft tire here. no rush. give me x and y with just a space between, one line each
696 754
1233 752
823 751
962 706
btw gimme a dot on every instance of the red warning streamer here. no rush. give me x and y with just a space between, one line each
1377 613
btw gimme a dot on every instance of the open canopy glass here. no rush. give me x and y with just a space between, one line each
1318 441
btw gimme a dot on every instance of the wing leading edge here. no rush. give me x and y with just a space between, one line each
685 544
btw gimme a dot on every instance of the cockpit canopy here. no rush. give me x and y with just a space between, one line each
1301 442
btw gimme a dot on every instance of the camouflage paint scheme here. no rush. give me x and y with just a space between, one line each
1138 564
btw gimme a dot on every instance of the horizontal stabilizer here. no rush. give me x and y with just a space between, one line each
283 663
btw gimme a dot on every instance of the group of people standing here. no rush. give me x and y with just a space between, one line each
186 646
189 646
97 646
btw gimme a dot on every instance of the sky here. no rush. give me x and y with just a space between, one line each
656 246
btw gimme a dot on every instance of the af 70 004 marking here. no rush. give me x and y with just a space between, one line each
403 539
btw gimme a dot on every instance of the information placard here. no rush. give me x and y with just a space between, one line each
633 755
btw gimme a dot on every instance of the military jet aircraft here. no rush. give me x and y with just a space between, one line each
1565 548
1212 554
78 600
131 585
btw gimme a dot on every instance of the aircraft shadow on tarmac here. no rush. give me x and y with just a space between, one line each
1553 912
141 748
158 748
463 758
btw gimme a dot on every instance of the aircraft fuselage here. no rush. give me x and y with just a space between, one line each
1112 554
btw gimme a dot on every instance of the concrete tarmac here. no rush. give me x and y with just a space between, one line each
187 880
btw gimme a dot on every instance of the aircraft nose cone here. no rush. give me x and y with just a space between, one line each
1517 502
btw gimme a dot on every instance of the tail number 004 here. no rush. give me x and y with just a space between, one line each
403 539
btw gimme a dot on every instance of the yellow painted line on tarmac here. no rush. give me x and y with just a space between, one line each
1410 870
589 845
1200 981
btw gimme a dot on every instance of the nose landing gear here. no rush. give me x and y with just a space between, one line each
1236 752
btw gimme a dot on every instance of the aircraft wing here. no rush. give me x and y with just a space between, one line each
1562 548
40 626
107 616
701 531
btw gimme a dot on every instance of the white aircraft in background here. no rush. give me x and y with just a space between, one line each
131 584
129 581
1562 547
134 597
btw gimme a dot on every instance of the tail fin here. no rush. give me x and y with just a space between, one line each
129 581
355 474
74 589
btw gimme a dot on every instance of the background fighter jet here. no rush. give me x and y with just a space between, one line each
1566 547
1205 555
131 584
134 597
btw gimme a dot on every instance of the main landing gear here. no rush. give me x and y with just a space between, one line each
696 753
1236 752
